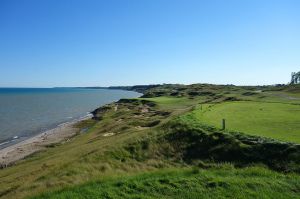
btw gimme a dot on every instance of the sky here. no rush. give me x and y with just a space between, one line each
129 42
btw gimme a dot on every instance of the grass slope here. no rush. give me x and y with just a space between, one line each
222 182
146 147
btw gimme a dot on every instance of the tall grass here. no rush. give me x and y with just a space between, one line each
222 182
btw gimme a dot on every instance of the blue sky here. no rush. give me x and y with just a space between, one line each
126 42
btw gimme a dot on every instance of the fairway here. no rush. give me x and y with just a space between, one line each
274 120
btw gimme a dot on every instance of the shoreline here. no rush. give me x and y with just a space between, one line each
17 151
20 150
17 139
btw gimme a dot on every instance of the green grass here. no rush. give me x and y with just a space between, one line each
172 102
85 157
223 182
153 165
166 100
275 120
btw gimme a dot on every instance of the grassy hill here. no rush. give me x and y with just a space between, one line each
222 182
168 144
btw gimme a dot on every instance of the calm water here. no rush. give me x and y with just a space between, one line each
27 112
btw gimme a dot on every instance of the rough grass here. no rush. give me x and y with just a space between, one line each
192 141
146 137
275 120
222 182
88 156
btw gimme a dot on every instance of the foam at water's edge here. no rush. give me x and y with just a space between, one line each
17 139
3 143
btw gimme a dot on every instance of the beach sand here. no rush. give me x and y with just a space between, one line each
18 151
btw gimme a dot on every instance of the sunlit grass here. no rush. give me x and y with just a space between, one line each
274 120
222 182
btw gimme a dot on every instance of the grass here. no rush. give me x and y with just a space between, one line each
173 103
275 120
87 156
147 157
222 182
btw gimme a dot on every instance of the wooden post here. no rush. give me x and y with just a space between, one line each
223 124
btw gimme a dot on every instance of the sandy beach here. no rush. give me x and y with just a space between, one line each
18 151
